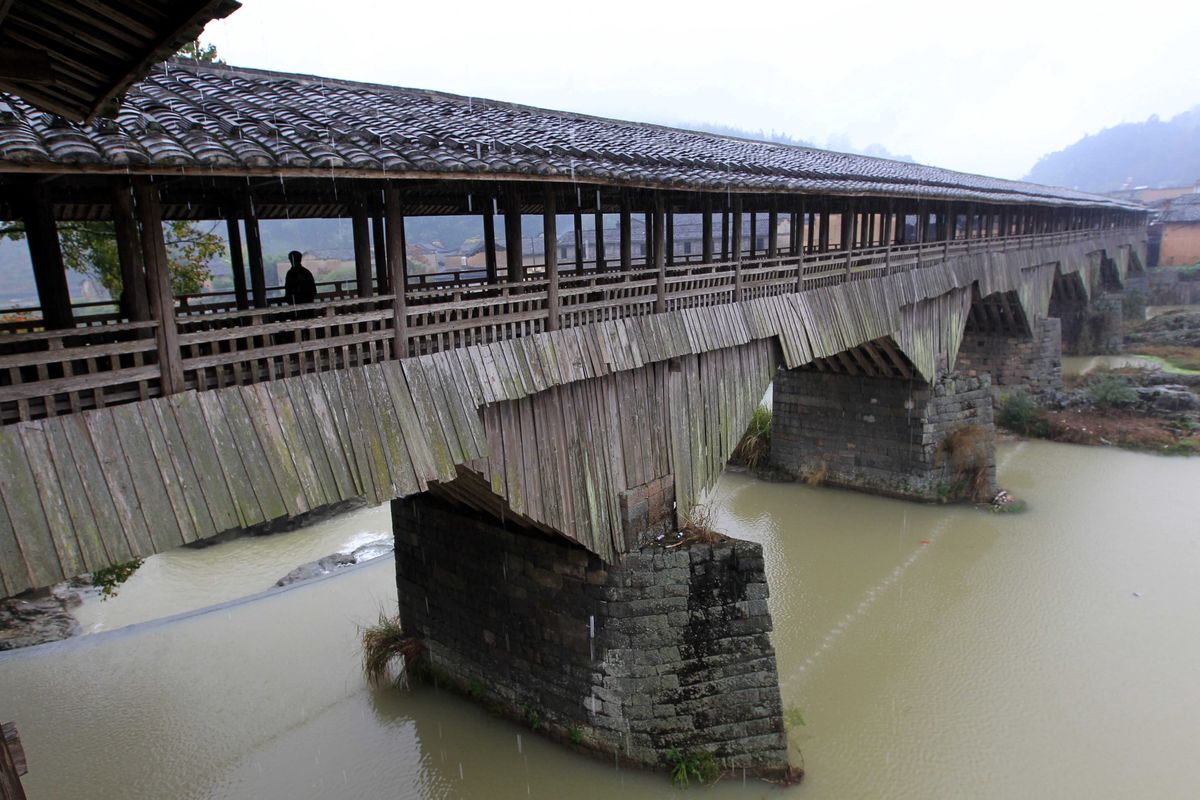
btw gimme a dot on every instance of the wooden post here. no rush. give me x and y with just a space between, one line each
514 246
550 247
812 229
753 233
601 264
362 244
773 231
158 280
706 231
135 303
737 248
578 240
45 252
649 246
12 763
381 266
626 234
489 244
889 219
670 246
849 223
725 230
237 262
254 254
823 239
660 254
397 265
794 234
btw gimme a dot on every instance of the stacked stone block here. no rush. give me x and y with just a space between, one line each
667 650
1033 363
879 435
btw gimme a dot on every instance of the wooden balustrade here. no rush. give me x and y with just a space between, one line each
43 373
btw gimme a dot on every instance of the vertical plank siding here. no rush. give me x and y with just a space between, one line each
554 424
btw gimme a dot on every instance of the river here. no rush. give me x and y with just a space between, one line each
933 651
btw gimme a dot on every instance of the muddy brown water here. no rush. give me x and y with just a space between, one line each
933 652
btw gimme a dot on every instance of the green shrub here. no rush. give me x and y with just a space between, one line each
687 766
108 579
1017 412
755 444
1110 391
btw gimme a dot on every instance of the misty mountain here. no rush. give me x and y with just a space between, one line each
1151 153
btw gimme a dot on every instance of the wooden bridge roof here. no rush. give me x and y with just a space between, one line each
186 118
75 58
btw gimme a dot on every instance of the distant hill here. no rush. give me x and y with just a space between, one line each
1151 153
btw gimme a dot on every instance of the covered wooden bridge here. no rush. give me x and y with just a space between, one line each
523 388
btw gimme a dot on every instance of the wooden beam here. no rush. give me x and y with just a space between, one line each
25 64
550 247
489 244
753 233
670 244
736 236
158 281
237 262
601 261
626 234
397 263
514 255
578 240
895 356
660 255
773 230
135 302
362 245
381 266
725 231
258 282
45 251
706 230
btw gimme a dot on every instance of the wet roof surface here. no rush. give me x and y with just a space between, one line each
185 116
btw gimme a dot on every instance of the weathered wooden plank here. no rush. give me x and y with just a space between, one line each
335 408
14 574
415 439
308 394
264 417
241 488
33 536
429 421
190 484
254 457
87 533
400 463
58 517
166 469
372 468
298 431
215 483
96 489
115 469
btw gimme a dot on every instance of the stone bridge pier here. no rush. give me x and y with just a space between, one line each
896 436
1000 340
666 649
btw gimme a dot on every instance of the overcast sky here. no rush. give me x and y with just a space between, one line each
978 87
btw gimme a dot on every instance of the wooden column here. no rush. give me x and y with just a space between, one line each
550 247
158 282
578 241
812 228
135 302
237 262
794 234
254 254
514 256
670 244
849 230
362 245
397 266
773 231
45 251
660 254
725 230
601 261
706 231
649 220
489 244
381 267
737 247
626 234
753 234
823 238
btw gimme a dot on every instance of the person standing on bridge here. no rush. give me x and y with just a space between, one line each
299 286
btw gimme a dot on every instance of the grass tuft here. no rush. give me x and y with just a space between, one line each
384 642
755 445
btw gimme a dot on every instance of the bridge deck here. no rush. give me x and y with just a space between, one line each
557 423
105 362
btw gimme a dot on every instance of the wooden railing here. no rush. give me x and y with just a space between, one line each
44 373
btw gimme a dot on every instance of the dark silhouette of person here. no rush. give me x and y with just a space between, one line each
298 285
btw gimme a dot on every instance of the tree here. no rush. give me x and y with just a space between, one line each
90 248
200 53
